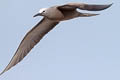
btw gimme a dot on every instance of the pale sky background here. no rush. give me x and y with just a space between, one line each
78 49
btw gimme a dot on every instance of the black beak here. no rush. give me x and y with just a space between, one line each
39 14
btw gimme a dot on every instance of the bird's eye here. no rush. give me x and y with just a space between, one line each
43 11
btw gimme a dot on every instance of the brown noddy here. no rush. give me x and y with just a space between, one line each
52 16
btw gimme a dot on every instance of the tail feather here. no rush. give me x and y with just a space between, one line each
87 14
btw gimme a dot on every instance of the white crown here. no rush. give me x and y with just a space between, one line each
42 9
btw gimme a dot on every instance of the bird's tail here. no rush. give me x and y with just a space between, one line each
86 14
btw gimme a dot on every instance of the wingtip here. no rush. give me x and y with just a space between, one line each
106 6
1 73
109 5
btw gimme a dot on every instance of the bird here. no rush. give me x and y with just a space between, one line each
51 17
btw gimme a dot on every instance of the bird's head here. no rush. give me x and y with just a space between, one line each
41 12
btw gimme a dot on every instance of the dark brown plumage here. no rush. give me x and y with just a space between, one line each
52 16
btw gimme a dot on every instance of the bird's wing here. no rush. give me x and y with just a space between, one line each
30 40
82 6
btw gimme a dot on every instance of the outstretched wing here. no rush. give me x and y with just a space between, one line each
82 6
30 40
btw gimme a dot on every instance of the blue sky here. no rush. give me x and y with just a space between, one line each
78 49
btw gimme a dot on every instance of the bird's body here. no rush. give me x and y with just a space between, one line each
52 16
65 15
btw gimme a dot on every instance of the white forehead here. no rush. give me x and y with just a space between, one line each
42 9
